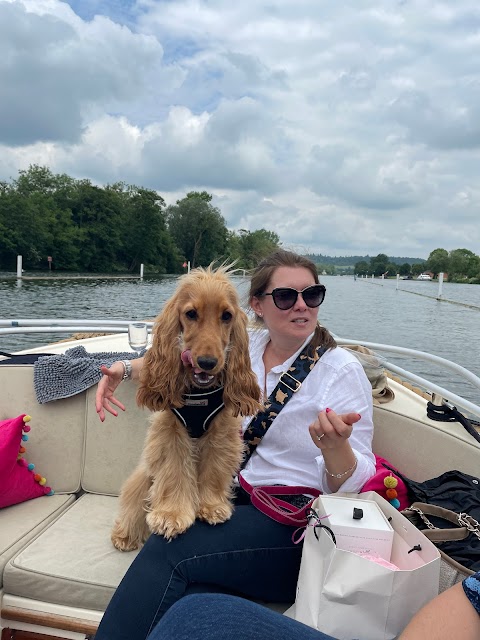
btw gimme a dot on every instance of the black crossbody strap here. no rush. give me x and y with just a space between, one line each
290 382
21 358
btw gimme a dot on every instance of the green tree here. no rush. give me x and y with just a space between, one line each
145 239
438 261
247 248
362 268
392 269
37 207
198 229
405 269
98 214
418 268
378 264
329 269
463 264
18 227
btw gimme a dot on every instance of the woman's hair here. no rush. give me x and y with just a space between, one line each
262 275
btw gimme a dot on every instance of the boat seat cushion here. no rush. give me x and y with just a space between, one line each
85 568
20 523
19 481
56 443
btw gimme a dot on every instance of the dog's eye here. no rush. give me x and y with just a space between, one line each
226 316
192 314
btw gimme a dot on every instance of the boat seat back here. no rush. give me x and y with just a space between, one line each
113 447
57 436
419 447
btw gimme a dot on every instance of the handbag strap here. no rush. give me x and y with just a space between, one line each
464 523
289 383
21 358
265 500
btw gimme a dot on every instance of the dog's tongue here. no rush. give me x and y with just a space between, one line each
187 359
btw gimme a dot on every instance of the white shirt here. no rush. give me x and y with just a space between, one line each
287 454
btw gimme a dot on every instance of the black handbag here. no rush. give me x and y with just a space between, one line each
449 514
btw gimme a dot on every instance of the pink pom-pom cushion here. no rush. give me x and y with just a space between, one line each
17 482
377 483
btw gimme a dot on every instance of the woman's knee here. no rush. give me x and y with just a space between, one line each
202 616
225 617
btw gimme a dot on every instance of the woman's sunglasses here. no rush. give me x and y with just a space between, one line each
285 297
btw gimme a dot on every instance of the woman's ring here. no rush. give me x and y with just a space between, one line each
320 437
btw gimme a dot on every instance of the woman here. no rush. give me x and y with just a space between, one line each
322 438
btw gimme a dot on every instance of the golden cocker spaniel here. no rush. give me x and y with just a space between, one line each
200 345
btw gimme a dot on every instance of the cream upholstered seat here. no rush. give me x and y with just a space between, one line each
84 569
21 523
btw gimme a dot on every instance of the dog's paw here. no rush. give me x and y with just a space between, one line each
123 541
169 525
215 513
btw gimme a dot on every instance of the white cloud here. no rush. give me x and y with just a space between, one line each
347 128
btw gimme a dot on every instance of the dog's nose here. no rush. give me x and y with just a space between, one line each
206 362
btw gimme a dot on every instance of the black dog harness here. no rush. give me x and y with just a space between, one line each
199 410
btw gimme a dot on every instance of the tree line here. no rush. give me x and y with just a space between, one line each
461 265
115 228
350 261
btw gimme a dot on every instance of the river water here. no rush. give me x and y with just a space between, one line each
362 309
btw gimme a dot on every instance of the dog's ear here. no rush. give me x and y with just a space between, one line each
241 390
162 378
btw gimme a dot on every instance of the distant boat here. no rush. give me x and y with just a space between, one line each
424 276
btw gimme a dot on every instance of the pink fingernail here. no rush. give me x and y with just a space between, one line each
359 416
327 410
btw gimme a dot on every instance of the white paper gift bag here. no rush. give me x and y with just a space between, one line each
349 596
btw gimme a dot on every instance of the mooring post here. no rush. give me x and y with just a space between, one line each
440 284
141 271
398 280
19 266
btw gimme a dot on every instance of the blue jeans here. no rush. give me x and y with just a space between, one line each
249 555
222 617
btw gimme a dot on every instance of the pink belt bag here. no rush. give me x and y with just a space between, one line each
266 500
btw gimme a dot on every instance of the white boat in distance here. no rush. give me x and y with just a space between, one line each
58 568
424 276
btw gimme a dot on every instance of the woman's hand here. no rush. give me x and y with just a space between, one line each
330 430
106 388
330 433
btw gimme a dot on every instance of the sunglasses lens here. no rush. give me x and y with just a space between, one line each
284 298
313 296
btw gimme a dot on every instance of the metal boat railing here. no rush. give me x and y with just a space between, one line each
27 326
54 325
423 382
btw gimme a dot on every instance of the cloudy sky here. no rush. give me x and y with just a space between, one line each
348 127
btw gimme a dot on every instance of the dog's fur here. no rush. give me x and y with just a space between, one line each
180 478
